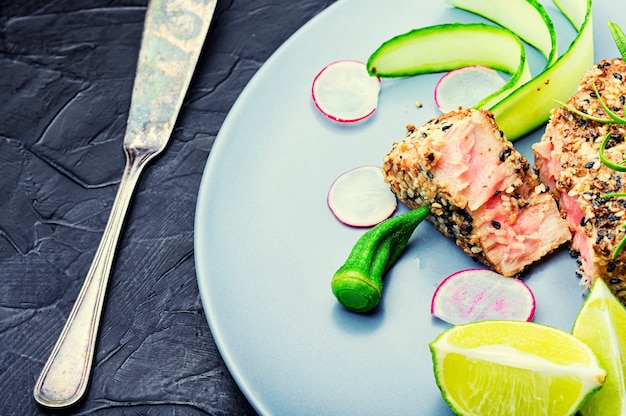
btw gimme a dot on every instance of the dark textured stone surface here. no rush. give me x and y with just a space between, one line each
66 73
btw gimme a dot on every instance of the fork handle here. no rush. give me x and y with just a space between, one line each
64 378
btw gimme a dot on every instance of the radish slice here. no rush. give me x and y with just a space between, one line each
361 198
344 91
466 87
479 294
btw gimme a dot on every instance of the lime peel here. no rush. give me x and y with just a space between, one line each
601 324
514 367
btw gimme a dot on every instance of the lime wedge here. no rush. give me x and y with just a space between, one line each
514 368
601 324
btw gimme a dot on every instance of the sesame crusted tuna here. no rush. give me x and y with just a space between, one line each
567 159
480 189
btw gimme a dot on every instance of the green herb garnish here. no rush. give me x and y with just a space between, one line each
620 41
613 118
619 38
358 284
620 167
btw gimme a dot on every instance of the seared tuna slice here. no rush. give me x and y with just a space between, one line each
480 190
567 158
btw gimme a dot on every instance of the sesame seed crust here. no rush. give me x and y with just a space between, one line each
411 170
578 175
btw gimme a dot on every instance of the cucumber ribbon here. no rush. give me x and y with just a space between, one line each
451 46
524 103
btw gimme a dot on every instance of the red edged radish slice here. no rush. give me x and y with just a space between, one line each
345 92
361 198
466 87
479 294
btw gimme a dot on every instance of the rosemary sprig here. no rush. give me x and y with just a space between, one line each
613 194
619 38
613 118
617 119
620 167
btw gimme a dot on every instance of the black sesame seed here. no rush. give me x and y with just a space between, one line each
614 281
430 157
622 99
611 267
593 94
446 127
589 165
430 175
600 237
465 215
495 224
582 221
610 143
617 75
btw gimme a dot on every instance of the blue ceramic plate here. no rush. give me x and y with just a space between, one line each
266 244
